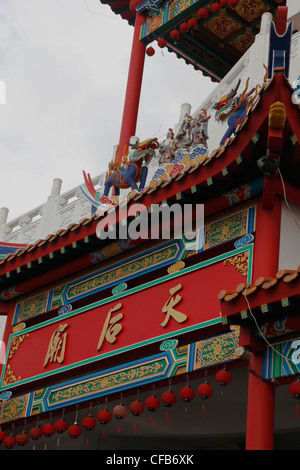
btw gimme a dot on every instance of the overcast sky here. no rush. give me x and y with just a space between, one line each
65 64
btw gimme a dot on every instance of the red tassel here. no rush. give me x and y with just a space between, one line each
103 434
118 428
297 411
151 420
167 418
87 442
203 407
134 428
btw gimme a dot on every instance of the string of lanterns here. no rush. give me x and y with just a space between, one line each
104 416
136 407
192 24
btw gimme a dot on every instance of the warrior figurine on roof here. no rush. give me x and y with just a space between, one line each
166 149
200 129
183 138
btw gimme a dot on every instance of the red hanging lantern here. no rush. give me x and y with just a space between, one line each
186 394
215 8
204 391
9 441
74 431
168 398
223 377
233 3
192 23
88 423
203 13
174 34
223 3
150 51
162 43
184 28
120 411
136 408
294 390
152 403
2 436
104 416
22 438
35 433
48 429
61 426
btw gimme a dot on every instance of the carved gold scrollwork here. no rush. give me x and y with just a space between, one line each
240 263
15 344
10 376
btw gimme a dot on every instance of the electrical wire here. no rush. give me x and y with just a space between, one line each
259 329
245 292
100 14
286 201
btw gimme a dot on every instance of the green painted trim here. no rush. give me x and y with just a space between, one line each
120 296
205 324
145 286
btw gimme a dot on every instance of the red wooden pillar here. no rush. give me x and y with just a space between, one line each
261 395
134 85
260 410
267 239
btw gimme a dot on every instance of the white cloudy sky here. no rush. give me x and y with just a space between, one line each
65 64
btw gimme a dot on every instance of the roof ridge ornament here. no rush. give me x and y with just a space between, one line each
280 44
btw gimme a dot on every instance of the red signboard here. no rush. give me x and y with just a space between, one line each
162 309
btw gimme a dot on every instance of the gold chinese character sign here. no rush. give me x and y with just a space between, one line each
57 345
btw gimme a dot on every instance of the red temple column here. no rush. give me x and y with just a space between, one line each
260 410
267 240
134 85
261 395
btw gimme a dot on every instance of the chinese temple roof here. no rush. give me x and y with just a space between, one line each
121 7
230 174
219 39
266 297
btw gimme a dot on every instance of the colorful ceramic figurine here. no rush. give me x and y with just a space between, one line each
233 109
134 167
126 174
167 148
199 131
184 135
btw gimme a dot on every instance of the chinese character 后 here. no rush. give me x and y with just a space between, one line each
111 327
57 346
169 307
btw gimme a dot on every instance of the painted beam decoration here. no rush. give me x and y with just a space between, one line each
170 362
209 36
230 227
282 360
113 325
